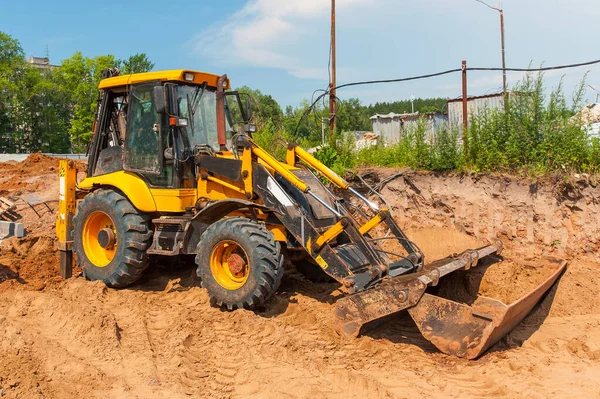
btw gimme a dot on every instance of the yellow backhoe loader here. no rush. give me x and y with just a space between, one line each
173 170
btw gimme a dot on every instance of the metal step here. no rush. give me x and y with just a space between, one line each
168 235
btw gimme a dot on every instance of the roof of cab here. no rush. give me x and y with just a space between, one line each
173 75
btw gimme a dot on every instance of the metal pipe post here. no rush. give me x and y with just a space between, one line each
464 101
503 59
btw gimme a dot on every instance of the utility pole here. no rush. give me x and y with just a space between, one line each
502 42
503 59
332 84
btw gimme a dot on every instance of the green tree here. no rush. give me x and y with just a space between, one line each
139 62
78 77
264 106
12 59
352 116
11 55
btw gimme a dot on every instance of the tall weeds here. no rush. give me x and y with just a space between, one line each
536 132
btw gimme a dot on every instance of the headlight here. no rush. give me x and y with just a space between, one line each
188 76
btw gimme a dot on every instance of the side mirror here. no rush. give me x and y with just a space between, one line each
248 109
158 99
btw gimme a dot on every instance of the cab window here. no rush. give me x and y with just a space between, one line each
143 130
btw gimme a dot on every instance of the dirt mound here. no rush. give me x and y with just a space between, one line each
34 164
438 243
510 281
161 338
30 175
38 163
33 259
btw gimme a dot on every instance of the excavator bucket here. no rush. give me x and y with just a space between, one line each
467 330
454 315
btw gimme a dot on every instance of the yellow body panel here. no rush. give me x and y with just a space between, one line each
279 232
225 184
173 200
131 185
67 175
163 76
214 191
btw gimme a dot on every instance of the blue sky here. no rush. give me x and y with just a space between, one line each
281 46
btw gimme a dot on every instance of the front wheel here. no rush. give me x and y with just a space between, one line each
239 263
110 238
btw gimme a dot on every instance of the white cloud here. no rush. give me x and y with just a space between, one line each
268 33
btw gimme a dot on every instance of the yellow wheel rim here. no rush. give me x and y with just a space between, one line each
99 256
229 265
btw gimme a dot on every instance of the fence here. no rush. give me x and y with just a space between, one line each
22 157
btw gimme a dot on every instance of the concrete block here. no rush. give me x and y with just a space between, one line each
9 229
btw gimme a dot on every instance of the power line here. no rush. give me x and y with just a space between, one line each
431 75
483 2
370 82
541 69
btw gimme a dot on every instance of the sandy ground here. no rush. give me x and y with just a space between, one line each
161 339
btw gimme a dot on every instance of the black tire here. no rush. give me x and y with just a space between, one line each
132 233
309 269
263 258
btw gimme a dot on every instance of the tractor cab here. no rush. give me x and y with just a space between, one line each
154 124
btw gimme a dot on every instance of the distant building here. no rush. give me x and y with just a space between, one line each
388 126
40 63
589 117
391 127
475 105
363 139
436 122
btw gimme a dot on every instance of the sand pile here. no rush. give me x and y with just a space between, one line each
161 339
509 281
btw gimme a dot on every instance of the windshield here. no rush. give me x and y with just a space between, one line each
198 104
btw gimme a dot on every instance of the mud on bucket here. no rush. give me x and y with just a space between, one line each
471 310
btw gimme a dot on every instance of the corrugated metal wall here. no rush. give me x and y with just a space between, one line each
474 106
388 129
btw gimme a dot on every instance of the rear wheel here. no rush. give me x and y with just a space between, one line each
239 263
110 238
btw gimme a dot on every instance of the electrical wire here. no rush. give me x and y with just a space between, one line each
541 69
431 75
493 8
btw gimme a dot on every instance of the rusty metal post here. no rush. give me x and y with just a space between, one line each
503 59
332 84
464 98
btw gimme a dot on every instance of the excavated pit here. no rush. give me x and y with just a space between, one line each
161 339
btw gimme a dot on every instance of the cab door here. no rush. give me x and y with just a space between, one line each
146 137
